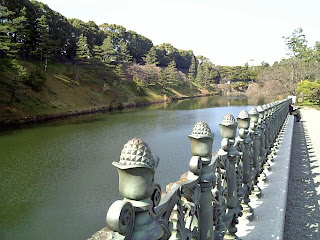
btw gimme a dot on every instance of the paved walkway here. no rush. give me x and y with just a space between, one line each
303 202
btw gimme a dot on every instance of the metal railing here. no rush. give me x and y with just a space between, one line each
217 190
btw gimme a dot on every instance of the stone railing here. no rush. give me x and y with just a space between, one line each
217 189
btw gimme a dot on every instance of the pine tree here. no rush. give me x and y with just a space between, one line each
163 81
192 69
206 76
43 37
151 57
12 31
5 29
200 75
83 52
108 52
104 63
123 53
120 72
19 74
45 40
97 53
150 62
172 73
168 77
23 32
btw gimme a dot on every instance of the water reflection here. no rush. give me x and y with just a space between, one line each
209 102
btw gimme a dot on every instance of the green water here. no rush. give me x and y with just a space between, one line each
57 180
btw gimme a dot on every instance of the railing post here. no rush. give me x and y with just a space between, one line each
254 116
245 141
277 123
273 114
268 132
272 125
262 128
228 129
220 193
201 140
130 218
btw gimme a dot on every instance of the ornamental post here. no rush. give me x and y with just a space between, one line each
268 132
130 218
201 140
262 128
266 135
254 116
243 125
228 129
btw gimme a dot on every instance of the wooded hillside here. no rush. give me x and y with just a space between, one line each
51 64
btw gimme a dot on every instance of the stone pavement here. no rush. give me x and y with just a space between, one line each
303 202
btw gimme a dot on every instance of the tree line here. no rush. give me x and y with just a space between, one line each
299 73
31 31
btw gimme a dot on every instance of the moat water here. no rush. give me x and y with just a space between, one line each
57 180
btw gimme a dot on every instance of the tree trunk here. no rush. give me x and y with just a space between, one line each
46 65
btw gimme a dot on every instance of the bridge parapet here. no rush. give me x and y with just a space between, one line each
217 190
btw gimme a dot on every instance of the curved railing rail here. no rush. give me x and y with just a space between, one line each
217 190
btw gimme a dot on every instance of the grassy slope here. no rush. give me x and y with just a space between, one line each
61 95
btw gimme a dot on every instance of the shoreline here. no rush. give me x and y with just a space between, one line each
69 114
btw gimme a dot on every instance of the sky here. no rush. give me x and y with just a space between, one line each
228 32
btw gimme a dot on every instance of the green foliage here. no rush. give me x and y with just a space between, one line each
237 73
265 64
12 76
83 52
108 54
171 73
36 79
5 28
207 73
151 57
88 29
168 77
296 43
310 90
140 86
317 52
302 64
35 32
123 53
12 30
192 69
151 75
166 53
44 40
120 72
184 59
31 31
240 86
19 70
138 46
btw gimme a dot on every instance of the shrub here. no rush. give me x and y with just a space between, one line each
36 79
